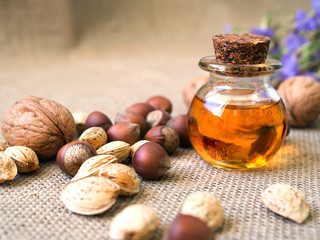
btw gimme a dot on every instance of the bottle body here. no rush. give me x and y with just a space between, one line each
237 122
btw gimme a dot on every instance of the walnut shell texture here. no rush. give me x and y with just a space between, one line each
40 124
301 97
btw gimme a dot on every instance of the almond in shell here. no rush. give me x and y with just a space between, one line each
92 166
124 176
119 149
90 196
8 169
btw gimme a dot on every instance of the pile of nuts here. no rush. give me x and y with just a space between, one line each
16 159
144 132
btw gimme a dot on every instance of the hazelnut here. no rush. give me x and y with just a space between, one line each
98 119
141 108
301 97
124 131
80 119
136 146
160 103
25 158
158 117
165 136
180 124
96 136
151 161
191 87
131 117
71 156
187 227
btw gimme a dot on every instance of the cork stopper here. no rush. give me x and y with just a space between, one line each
241 48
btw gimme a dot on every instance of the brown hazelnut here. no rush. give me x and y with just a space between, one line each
151 161
191 87
141 108
136 146
124 131
180 124
187 227
71 156
132 117
301 97
98 119
158 117
165 136
160 103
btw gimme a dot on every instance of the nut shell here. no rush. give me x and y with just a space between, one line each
119 149
160 103
136 146
96 136
151 161
187 227
40 124
135 222
286 201
98 119
301 97
92 166
8 169
25 158
132 117
206 207
157 118
72 155
141 108
90 196
180 124
80 120
124 131
124 176
165 136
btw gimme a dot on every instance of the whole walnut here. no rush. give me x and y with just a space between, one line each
40 124
191 87
301 97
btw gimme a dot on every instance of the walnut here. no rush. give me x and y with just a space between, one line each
40 124
301 97
191 87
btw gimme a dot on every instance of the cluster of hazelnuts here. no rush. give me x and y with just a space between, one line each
151 121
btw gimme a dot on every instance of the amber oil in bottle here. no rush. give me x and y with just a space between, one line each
238 135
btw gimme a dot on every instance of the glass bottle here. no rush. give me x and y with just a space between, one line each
237 121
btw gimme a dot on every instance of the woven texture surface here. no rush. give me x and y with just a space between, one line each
103 60
30 205
31 208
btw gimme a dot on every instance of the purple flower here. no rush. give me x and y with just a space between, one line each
316 6
290 65
263 31
275 48
294 41
227 28
304 23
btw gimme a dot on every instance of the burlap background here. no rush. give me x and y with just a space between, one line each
106 55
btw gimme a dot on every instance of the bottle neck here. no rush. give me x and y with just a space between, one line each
230 80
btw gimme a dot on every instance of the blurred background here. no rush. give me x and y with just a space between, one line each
105 54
